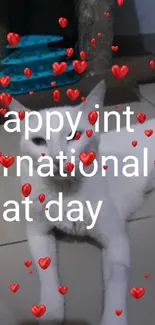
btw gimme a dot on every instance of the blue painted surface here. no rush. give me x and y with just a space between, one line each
23 57
35 40
33 52
16 88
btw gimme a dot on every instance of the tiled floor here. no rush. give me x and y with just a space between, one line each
82 275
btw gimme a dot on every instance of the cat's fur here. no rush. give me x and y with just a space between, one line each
109 230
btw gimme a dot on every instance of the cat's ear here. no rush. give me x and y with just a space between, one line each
16 106
96 97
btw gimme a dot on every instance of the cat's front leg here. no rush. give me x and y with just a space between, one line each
42 246
116 266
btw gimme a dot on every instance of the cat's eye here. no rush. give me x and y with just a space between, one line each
39 141
76 136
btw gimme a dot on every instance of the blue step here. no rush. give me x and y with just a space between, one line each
35 40
33 52
23 57
37 75
16 88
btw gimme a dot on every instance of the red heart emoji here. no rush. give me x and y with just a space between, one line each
106 14
114 48
141 117
56 95
63 22
93 42
119 72
13 39
21 115
5 81
43 154
62 290
83 99
53 83
146 275
120 2
118 312
27 72
30 271
44 262
3 111
92 117
134 143
5 99
105 167
59 68
7 161
79 66
87 157
137 292
38 311
73 94
83 55
69 51
152 64
14 287
31 92
99 34
69 166
89 133
41 197
26 189
148 133
77 135
27 263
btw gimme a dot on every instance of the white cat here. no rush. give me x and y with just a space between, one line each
109 230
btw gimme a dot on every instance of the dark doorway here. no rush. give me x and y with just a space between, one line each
40 17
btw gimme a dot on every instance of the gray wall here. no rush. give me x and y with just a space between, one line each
134 17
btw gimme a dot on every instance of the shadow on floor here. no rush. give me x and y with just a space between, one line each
71 322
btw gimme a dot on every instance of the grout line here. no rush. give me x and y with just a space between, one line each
13 243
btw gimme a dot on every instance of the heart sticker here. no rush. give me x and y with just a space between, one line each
21 115
5 99
13 39
59 68
141 117
134 143
118 312
69 51
137 292
26 189
3 111
5 81
92 117
73 94
148 133
27 263
56 95
41 197
119 71
62 290
7 161
87 157
63 22
38 311
79 66
69 166
44 262
89 133
14 287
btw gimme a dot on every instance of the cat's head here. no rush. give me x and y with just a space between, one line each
38 142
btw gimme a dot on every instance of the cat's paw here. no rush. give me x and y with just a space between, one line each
54 303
